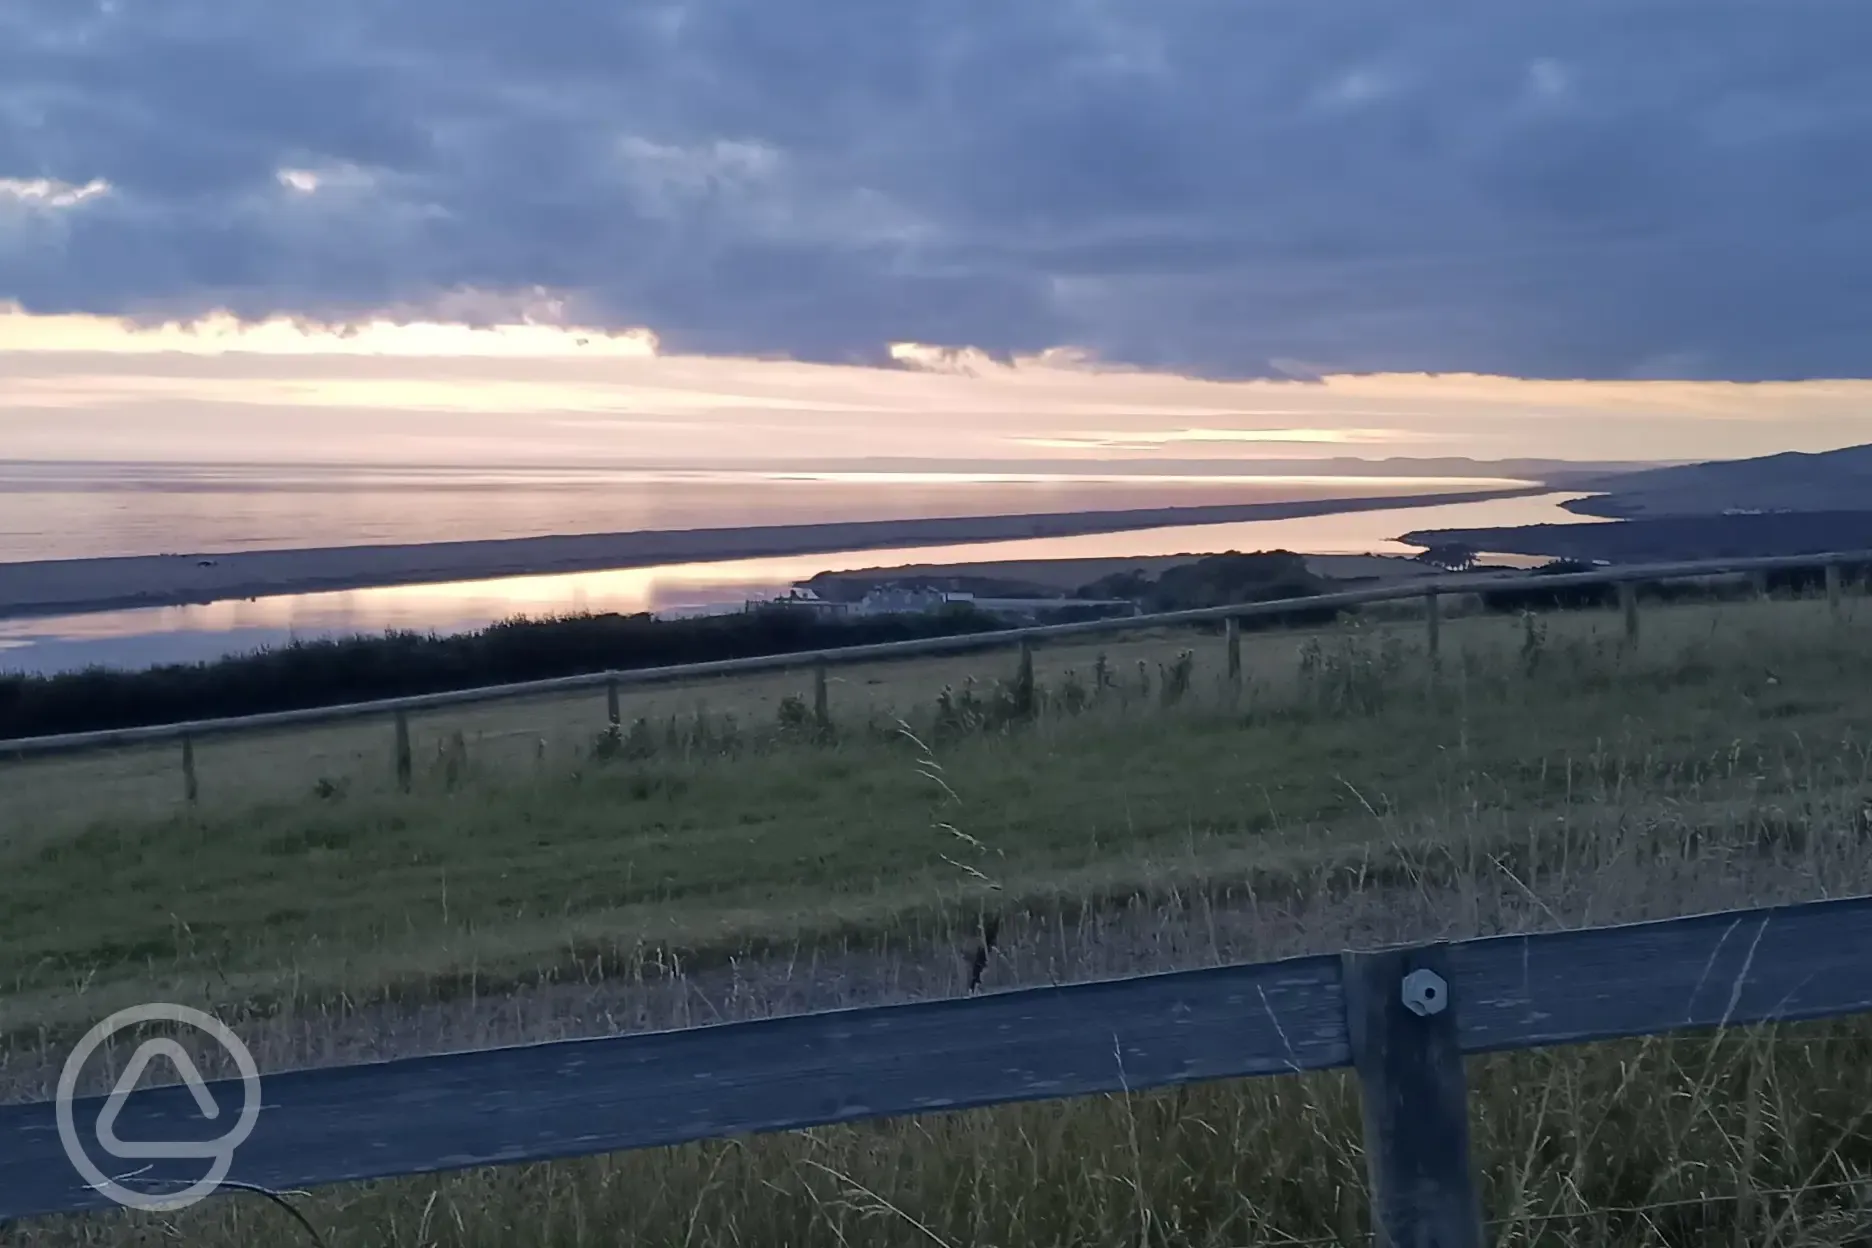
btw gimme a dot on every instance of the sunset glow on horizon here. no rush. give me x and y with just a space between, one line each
85 387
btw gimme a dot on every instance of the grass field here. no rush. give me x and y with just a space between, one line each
719 862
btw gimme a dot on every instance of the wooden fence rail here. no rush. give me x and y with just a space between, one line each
1427 590
1402 1018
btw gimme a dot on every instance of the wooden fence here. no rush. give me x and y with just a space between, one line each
1428 591
1403 1019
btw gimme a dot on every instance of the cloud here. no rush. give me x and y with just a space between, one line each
49 193
1557 188
466 326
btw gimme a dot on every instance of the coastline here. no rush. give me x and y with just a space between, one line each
1671 538
74 586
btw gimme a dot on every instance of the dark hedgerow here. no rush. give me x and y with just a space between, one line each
362 669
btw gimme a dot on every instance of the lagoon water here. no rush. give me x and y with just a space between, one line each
83 511
80 511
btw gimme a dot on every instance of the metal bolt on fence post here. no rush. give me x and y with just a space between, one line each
1424 993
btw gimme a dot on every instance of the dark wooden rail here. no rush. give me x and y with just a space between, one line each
1403 1018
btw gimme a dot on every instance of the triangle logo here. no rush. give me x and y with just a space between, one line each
146 1053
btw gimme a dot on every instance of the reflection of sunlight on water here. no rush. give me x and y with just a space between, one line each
80 511
192 632
1365 486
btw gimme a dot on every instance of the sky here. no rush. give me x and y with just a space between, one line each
715 228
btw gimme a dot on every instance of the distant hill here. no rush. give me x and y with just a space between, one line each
1668 539
1789 482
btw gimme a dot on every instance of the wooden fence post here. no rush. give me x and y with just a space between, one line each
1024 696
1402 1025
1232 631
1628 602
611 703
1760 581
190 790
821 703
1433 624
402 751
1833 587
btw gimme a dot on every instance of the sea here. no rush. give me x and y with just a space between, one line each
93 510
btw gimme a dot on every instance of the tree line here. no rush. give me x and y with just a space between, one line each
332 672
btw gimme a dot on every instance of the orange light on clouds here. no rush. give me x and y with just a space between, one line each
221 334
512 378
410 394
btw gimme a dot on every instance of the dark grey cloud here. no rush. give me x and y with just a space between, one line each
1545 188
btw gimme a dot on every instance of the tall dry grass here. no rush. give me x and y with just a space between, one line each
1549 777
1752 1137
